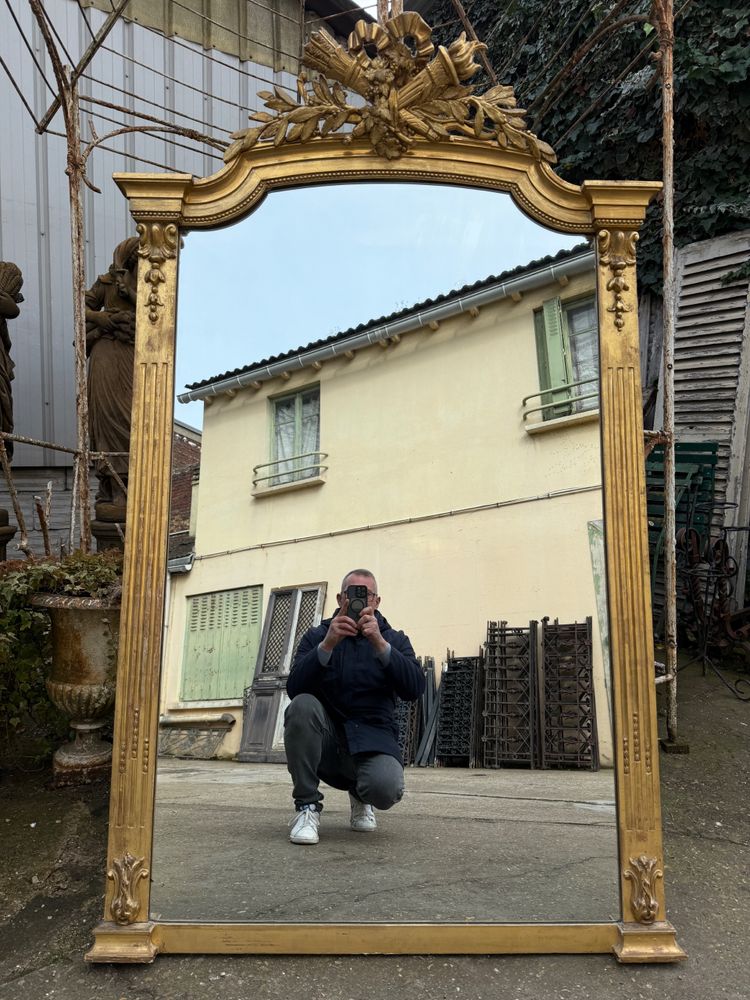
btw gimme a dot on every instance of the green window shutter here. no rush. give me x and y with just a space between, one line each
554 332
541 350
567 347
553 356
221 643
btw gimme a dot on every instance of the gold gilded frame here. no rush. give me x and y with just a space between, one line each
163 205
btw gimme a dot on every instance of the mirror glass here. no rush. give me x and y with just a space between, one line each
404 378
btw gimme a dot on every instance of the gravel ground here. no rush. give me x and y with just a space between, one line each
51 890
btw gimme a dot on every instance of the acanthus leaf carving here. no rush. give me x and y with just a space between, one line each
126 873
409 92
643 874
617 252
158 243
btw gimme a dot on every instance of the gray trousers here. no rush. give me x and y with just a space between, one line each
314 754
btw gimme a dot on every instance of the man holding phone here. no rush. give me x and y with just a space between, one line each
340 725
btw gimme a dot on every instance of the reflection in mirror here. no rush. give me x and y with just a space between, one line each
405 378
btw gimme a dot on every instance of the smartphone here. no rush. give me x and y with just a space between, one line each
356 595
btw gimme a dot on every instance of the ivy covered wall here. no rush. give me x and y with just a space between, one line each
531 41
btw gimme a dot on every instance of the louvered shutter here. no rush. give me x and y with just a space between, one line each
559 372
221 643
552 356
712 368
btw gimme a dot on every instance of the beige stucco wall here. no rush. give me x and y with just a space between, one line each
433 482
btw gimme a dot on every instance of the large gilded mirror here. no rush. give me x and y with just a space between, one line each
451 399
415 440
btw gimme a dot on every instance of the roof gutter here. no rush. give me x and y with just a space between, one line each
424 317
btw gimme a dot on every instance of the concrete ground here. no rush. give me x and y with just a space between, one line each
51 890
463 845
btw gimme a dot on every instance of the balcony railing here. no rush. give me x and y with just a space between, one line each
290 470
561 407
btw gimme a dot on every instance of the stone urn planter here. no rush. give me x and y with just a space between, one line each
59 623
81 681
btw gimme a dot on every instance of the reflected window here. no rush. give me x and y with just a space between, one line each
296 436
568 356
291 612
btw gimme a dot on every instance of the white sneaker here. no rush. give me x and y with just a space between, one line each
305 826
363 816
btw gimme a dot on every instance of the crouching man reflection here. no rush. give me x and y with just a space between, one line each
340 725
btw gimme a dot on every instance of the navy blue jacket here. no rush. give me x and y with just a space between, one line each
357 690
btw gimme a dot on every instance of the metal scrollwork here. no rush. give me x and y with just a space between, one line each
158 242
126 872
643 873
617 252
407 95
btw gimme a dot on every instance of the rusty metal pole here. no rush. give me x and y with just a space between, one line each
75 169
663 12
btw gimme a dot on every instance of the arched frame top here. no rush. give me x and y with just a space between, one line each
163 205
239 187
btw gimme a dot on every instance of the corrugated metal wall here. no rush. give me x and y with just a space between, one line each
264 31
174 79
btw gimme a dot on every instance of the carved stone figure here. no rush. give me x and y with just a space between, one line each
11 281
110 345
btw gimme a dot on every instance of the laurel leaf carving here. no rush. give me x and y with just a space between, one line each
409 93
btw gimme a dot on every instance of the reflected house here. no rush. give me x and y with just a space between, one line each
452 447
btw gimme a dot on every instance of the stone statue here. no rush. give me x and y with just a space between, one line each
110 345
11 281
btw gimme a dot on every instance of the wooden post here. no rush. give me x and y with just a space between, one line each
75 169
663 16
74 172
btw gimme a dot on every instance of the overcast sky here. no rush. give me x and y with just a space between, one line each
314 261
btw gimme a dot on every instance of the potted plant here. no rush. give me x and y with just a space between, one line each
68 608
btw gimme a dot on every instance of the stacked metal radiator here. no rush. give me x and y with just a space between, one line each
460 713
528 701
510 696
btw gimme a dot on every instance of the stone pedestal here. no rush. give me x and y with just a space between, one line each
107 536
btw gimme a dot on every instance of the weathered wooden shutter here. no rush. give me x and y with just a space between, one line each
552 356
221 643
712 370
291 612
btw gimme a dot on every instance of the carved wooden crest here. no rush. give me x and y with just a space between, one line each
409 92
